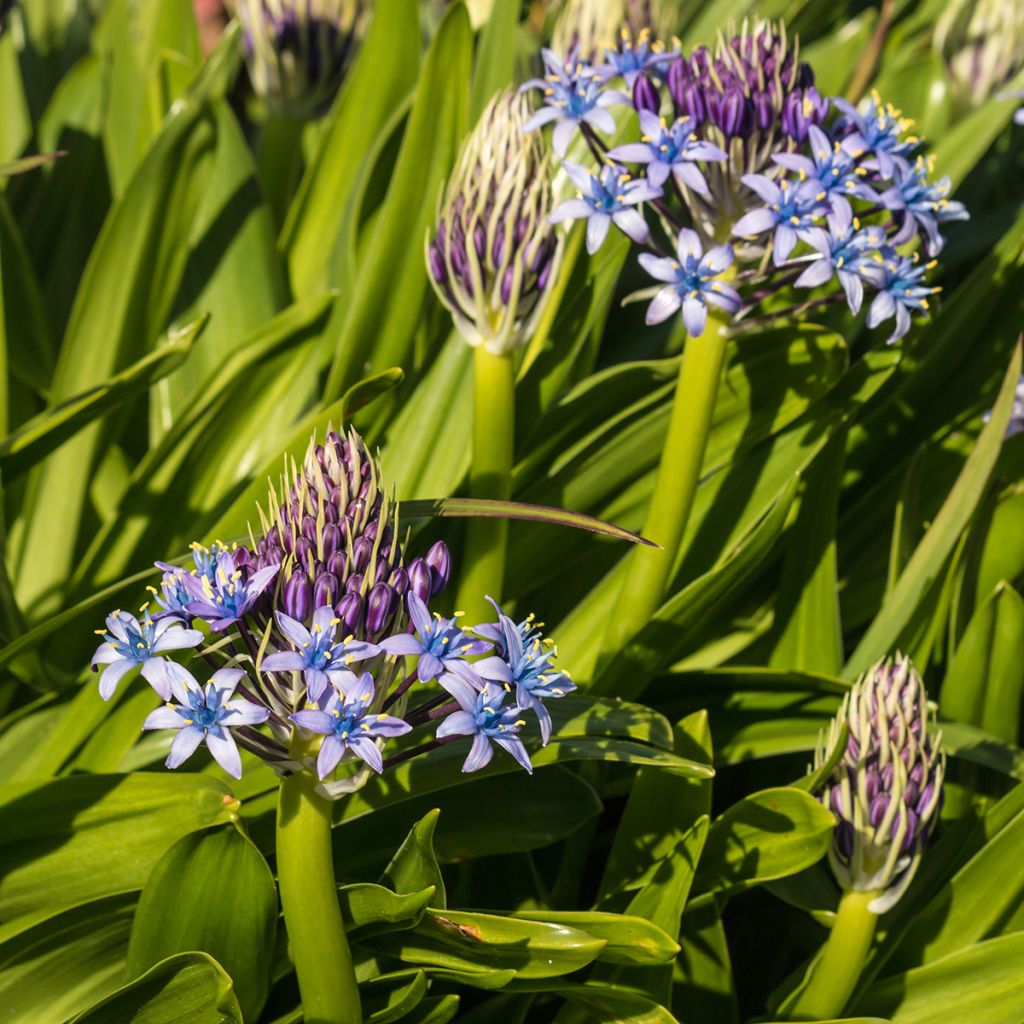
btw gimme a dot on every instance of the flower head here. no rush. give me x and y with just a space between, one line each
204 715
229 595
876 131
691 282
320 658
924 205
669 149
483 715
844 250
493 252
886 789
129 644
899 281
634 56
573 97
790 211
610 197
347 727
438 642
982 43
173 595
832 166
297 51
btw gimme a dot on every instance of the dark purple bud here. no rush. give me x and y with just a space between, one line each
399 580
645 95
241 556
331 540
878 807
506 284
354 583
691 103
764 112
325 590
381 606
440 562
336 565
350 611
304 552
730 112
298 596
421 578
361 552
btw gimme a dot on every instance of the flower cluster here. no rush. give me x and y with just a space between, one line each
297 52
886 790
326 635
737 153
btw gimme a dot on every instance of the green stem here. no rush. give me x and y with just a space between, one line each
836 973
649 569
309 897
483 557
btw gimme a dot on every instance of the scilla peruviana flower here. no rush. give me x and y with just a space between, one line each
886 790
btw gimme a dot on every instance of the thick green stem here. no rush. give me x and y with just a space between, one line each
309 897
649 569
482 569
836 973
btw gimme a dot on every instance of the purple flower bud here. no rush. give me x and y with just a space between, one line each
399 580
421 579
361 552
440 562
645 95
298 596
350 611
336 565
325 589
354 583
381 606
331 540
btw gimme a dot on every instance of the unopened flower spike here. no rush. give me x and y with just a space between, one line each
886 790
204 715
493 253
297 50
129 644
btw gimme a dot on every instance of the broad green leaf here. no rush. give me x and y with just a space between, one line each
435 1010
808 634
443 508
368 909
414 866
391 997
608 1004
190 988
985 681
50 429
982 748
88 836
703 986
628 939
123 300
227 908
938 542
1002 552
459 940
771 834
51 965
377 325
959 150
383 72
494 64
980 983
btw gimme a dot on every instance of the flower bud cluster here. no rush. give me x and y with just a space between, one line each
982 43
297 50
739 145
322 642
493 252
886 790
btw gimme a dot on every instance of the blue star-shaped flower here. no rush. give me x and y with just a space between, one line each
204 715
129 644
438 642
792 209
573 96
844 250
223 599
634 56
901 291
347 727
669 149
691 283
483 715
831 164
606 199
317 655
877 133
923 205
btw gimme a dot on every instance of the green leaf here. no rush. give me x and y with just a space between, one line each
88 836
212 891
414 866
50 429
608 1004
28 163
378 323
486 508
985 681
51 965
767 835
191 988
383 72
959 149
938 542
494 64
980 983
459 940
371 908
628 939
979 747
391 996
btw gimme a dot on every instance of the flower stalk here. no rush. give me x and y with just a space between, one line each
309 898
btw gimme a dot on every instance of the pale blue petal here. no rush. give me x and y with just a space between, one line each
331 751
183 746
662 306
458 723
112 675
222 746
480 754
